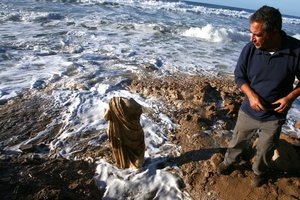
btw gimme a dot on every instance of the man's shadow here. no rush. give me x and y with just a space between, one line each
207 153
195 155
192 156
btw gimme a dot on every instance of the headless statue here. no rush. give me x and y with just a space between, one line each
126 136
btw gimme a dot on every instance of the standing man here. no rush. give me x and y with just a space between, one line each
265 72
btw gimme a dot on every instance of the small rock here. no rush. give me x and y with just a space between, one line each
27 148
73 186
215 160
235 173
150 67
3 101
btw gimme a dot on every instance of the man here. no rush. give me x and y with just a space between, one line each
265 72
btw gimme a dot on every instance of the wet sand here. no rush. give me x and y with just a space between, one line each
204 107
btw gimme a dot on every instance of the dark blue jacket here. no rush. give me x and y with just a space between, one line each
270 76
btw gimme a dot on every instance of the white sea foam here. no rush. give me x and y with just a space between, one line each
122 184
290 20
297 36
215 34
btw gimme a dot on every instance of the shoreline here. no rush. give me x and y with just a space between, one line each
204 107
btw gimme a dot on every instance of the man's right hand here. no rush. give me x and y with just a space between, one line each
254 99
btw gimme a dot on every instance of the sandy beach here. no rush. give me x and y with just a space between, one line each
195 103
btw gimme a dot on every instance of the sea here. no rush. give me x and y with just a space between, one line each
96 45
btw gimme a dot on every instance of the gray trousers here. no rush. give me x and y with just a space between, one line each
268 133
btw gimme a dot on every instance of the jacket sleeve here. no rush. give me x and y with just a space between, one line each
240 72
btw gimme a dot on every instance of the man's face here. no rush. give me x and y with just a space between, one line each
260 38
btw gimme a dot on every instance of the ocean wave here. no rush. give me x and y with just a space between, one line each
173 6
215 34
182 6
291 20
25 16
185 7
297 36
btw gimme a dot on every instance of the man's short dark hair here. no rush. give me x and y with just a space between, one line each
271 17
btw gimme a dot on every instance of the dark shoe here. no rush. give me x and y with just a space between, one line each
258 180
224 169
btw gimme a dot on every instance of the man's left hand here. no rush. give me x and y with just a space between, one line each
284 105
